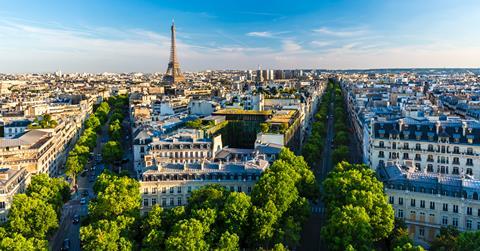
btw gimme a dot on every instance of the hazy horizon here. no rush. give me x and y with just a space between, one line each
108 36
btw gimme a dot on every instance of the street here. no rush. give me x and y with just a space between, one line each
311 230
67 229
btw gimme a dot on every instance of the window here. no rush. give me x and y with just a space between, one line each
381 144
455 222
381 154
400 201
455 170
469 171
400 213
239 189
179 189
2 205
412 202
154 201
391 200
145 202
405 155
232 189
445 207
430 168
432 205
164 190
164 202
171 201
430 148
145 190
249 189
469 151
469 162
478 225
445 220
189 189
422 204
456 149
469 211
154 190
418 147
455 208
421 231
469 224
405 146
171 189
179 201
418 157
456 161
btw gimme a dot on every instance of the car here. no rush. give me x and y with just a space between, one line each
66 244
91 178
85 193
76 219
83 201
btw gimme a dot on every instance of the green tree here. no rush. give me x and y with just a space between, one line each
340 154
54 191
93 122
32 217
153 229
105 235
357 186
262 226
468 241
346 226
73 166
264 127
112 151
446 239
115 130
119 197
187 235
210 196
19 243
228 242
235 213
194 124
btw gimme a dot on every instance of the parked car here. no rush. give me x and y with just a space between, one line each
76 219
66 244
85 193
83 201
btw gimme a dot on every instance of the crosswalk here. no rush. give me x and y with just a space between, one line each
318 210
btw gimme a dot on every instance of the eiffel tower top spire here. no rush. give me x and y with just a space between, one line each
173 74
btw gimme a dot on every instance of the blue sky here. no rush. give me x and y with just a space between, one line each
131 36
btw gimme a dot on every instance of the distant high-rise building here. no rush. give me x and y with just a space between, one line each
173 74
259 77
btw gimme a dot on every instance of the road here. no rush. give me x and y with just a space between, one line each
68 230
311 240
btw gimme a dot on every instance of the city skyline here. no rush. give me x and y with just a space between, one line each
134 36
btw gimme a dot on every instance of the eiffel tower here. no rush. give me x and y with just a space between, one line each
173 74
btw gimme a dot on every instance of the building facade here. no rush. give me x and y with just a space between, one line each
170 185
429 201
12 181
449 146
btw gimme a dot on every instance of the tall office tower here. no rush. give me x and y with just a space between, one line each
259 77
173 74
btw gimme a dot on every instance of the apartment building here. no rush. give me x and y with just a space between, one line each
12 181
171 184
444 145
429 201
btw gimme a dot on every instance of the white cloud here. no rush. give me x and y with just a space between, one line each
291 46
340 33
36 48
260 34
319 44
